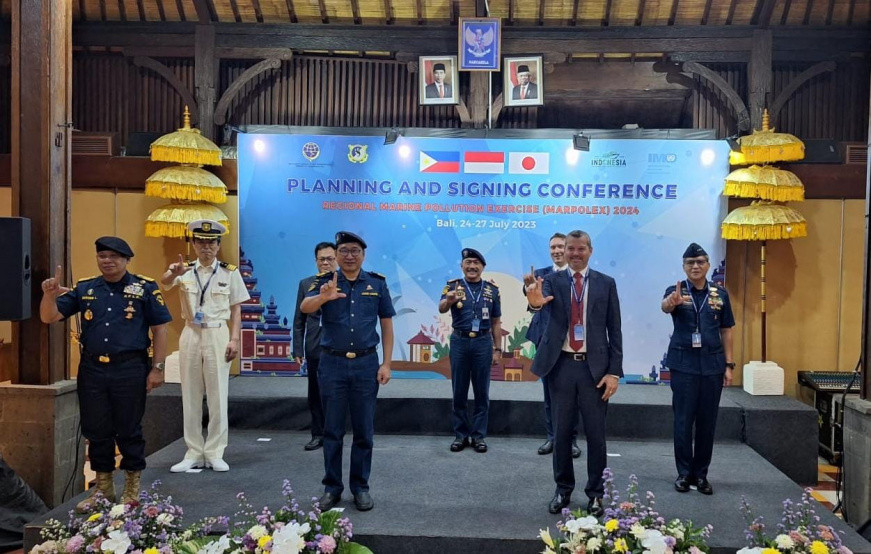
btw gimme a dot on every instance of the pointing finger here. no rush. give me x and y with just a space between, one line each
180 260
677 288
58 274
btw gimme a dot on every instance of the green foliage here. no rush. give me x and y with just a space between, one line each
517 338
441 351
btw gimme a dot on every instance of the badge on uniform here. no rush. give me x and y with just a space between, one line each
199 317
89 315
134 289
485 313
697 340
130 311
578 331
476 325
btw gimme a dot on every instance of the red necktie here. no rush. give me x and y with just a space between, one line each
523 93
577 311
441 92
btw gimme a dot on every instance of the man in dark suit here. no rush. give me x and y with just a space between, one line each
307 341
438 88
581 354
524 89
536 330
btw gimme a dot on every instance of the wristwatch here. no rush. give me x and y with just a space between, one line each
159 366
730 365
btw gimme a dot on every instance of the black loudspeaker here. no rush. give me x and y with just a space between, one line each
138 143
14 268
820 151
865 530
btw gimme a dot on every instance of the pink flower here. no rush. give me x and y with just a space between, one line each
627 506
151 511
75 544
327 544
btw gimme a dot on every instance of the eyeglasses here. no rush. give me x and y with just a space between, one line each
326 259
691 263
355 252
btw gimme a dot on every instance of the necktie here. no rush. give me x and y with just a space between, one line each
523 93
577 311
441 92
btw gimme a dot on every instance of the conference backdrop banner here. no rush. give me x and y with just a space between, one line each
419 201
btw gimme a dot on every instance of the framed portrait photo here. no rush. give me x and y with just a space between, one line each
480 43
523 82
438 80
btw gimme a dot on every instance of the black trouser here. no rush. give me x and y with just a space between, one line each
112 403
315 403
695 400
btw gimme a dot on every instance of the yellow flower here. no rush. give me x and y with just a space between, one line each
545 536
263 541
620 545
612 525
151 550
94 517
819 547
771 551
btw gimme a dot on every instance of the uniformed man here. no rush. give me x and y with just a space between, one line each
212 293
352 303
475 346
118 309
700 360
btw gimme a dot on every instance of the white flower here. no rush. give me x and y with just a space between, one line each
594 544
215 547
748 550
117 543
48 547
117 510
545 536
638 531
164 519
653 542
257 531
586 523
290 539
784 542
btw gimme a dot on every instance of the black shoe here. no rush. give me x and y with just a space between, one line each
704 487
594 507
328 501
479 445
459 444
682 484
363 501
576 450
558 502
314 444
546 448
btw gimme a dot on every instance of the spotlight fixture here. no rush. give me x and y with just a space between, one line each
390 136
581 142
734 145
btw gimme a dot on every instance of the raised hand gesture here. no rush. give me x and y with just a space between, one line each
52 286
179 268
330 289
534 294
452 296
676 299
529 278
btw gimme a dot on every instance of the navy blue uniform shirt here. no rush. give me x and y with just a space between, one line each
351 323
115 316
487 298
715 314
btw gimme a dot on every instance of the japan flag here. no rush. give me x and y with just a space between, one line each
529 163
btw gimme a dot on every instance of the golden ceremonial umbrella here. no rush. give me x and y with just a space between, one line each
766 146
186 182
186 146
765 182
171 220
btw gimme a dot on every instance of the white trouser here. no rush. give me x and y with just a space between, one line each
203 369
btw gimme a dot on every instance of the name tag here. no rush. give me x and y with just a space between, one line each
697 340
485 313
578 331
476 325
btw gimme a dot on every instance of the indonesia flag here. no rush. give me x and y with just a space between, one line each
529 162
439 162
484 162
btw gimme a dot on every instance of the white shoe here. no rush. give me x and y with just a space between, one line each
185 465
218 465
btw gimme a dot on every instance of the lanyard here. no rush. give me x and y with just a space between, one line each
575 297
202 288
698 309
472 294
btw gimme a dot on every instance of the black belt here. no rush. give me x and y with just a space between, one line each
576 356
350 354
115 358
471 334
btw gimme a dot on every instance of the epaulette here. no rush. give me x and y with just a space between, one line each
377 275
323 274
452 281
143 277
492 283
191 264
91 278
228 267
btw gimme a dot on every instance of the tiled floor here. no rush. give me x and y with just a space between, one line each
825 492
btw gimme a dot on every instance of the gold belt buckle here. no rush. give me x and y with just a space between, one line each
350 355
104 359
473 334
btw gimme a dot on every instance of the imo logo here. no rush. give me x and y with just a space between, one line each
311 151
661 158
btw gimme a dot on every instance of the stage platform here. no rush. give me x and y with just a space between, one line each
429 500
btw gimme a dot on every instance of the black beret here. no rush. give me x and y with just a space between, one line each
438 66
344 237
474 254
115 245
694 250
523 69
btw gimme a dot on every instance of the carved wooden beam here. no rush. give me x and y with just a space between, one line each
236 86
465 116
173 80
496 107
203 14
796 82
725 88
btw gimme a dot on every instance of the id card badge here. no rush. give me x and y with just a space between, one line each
199 317
485 313
697 340
476 325
578 331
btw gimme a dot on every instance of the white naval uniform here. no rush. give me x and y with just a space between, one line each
202 365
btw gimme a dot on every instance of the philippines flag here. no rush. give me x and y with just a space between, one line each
529 162
484 162
439 162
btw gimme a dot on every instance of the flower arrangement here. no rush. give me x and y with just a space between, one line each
798 532
290 530
150 525
630 525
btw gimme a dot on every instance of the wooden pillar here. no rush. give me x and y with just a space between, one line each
41 53
759 76
479 98
205 78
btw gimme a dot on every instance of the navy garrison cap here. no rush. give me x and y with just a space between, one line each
344 237
115 245
474 254
694 250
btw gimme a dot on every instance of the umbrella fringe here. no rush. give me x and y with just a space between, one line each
176 191
731 231
765 192
772 153
165 229
185 155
